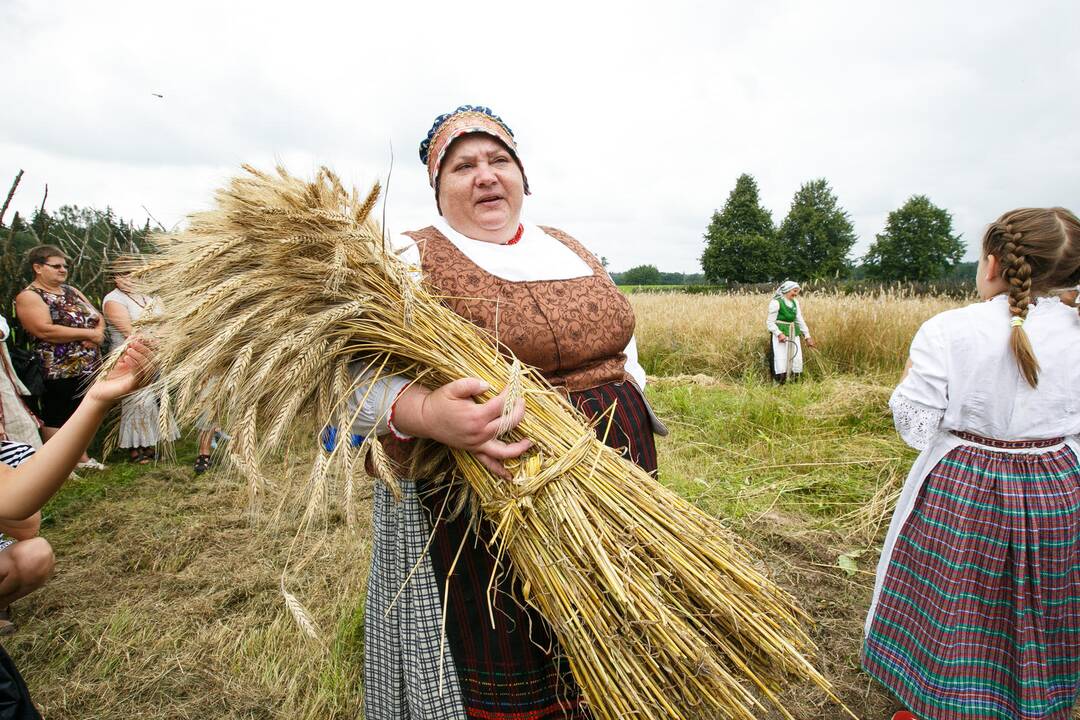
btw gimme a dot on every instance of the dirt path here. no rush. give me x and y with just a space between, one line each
804 562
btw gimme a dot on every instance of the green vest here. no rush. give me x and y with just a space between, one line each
786 318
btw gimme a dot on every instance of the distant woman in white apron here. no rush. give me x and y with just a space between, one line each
786 325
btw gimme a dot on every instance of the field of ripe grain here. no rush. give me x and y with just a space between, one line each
724 335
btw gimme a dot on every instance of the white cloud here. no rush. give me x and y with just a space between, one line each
633 122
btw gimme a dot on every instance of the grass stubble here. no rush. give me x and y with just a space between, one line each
166 600
166 603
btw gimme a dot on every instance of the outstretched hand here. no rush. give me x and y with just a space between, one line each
450 415
131 371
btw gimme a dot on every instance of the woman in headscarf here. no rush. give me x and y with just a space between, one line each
786 325
549 300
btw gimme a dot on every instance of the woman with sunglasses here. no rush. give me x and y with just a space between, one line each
67 330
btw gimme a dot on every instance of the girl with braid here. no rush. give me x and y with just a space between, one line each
976 608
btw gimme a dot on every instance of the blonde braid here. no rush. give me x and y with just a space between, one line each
1016 270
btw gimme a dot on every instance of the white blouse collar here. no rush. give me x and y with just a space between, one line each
536 257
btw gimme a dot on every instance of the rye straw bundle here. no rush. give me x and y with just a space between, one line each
273 292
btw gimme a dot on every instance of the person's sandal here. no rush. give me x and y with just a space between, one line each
146 456
7 622
202 464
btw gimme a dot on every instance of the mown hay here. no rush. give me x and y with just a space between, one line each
270 296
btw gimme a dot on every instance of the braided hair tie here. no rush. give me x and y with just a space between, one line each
1017 321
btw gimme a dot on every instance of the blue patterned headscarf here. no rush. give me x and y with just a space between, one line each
452 125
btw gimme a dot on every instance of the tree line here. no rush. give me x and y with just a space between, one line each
91 238
651 275
814 241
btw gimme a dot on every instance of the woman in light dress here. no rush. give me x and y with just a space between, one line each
139 426
17 422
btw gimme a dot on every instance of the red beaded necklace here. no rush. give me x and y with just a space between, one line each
517 235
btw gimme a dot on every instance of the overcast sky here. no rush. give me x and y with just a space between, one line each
633 119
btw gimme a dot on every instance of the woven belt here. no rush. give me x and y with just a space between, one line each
1007 444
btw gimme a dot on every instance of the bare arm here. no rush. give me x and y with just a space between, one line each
22 529
33 313
25 489
118 317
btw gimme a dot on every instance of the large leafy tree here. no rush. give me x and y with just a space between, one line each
741 240
917 244
816 235
641 275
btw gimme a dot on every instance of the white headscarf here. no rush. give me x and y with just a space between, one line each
786 287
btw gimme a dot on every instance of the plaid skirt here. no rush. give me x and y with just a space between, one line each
978 615
510 671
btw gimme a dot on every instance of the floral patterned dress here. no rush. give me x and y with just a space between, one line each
67 359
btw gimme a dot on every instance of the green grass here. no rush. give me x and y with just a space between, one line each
91 486
166 600
87 488
817 449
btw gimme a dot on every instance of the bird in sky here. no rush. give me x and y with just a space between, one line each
157 95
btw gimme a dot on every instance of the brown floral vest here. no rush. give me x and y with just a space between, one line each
574 331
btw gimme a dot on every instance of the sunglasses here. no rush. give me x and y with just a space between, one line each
56 266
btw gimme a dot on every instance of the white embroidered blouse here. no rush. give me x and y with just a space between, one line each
964 376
